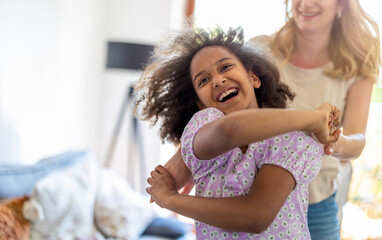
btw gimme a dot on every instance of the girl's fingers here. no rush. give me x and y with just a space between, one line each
148 189
150 181
337 133
162 170
155 174
337 117
332 128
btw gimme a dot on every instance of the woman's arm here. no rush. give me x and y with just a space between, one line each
251 213
351 143
243 127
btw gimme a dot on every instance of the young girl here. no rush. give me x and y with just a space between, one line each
210 93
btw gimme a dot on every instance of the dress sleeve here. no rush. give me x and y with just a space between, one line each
297 152
198 166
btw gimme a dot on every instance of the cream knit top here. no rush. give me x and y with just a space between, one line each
312 88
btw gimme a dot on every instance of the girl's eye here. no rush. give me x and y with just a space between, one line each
226 66
203 81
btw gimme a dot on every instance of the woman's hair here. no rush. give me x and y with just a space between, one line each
354 46
165 91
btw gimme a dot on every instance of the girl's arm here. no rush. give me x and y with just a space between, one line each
251 213
351 143
180 172
243 127
272 185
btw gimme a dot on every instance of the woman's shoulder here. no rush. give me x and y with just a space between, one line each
260 40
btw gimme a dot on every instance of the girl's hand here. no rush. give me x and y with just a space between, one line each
180 172
162 186
327 131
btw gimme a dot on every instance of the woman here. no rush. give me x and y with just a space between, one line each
328 51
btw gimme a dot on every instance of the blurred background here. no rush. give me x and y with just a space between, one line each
62 85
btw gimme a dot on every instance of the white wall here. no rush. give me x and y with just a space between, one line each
55 92
49 73
144 22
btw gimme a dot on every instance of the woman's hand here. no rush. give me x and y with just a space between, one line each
162 186
329 148
327 131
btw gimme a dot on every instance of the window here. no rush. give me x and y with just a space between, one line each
256 17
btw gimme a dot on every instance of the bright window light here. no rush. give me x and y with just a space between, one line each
256 17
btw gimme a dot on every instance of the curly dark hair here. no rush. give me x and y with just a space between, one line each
165 91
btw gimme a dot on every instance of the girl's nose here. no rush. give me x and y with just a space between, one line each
220 82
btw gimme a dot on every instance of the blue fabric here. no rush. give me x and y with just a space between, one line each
18 180
167 227
323 221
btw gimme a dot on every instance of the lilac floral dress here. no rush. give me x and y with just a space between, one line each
232 174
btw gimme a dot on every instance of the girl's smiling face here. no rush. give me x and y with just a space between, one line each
221 81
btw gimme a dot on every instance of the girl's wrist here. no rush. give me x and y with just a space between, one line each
315 122
171 201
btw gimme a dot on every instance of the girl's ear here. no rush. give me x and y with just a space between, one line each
255 80
200 105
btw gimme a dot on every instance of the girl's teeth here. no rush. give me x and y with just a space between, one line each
223 95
